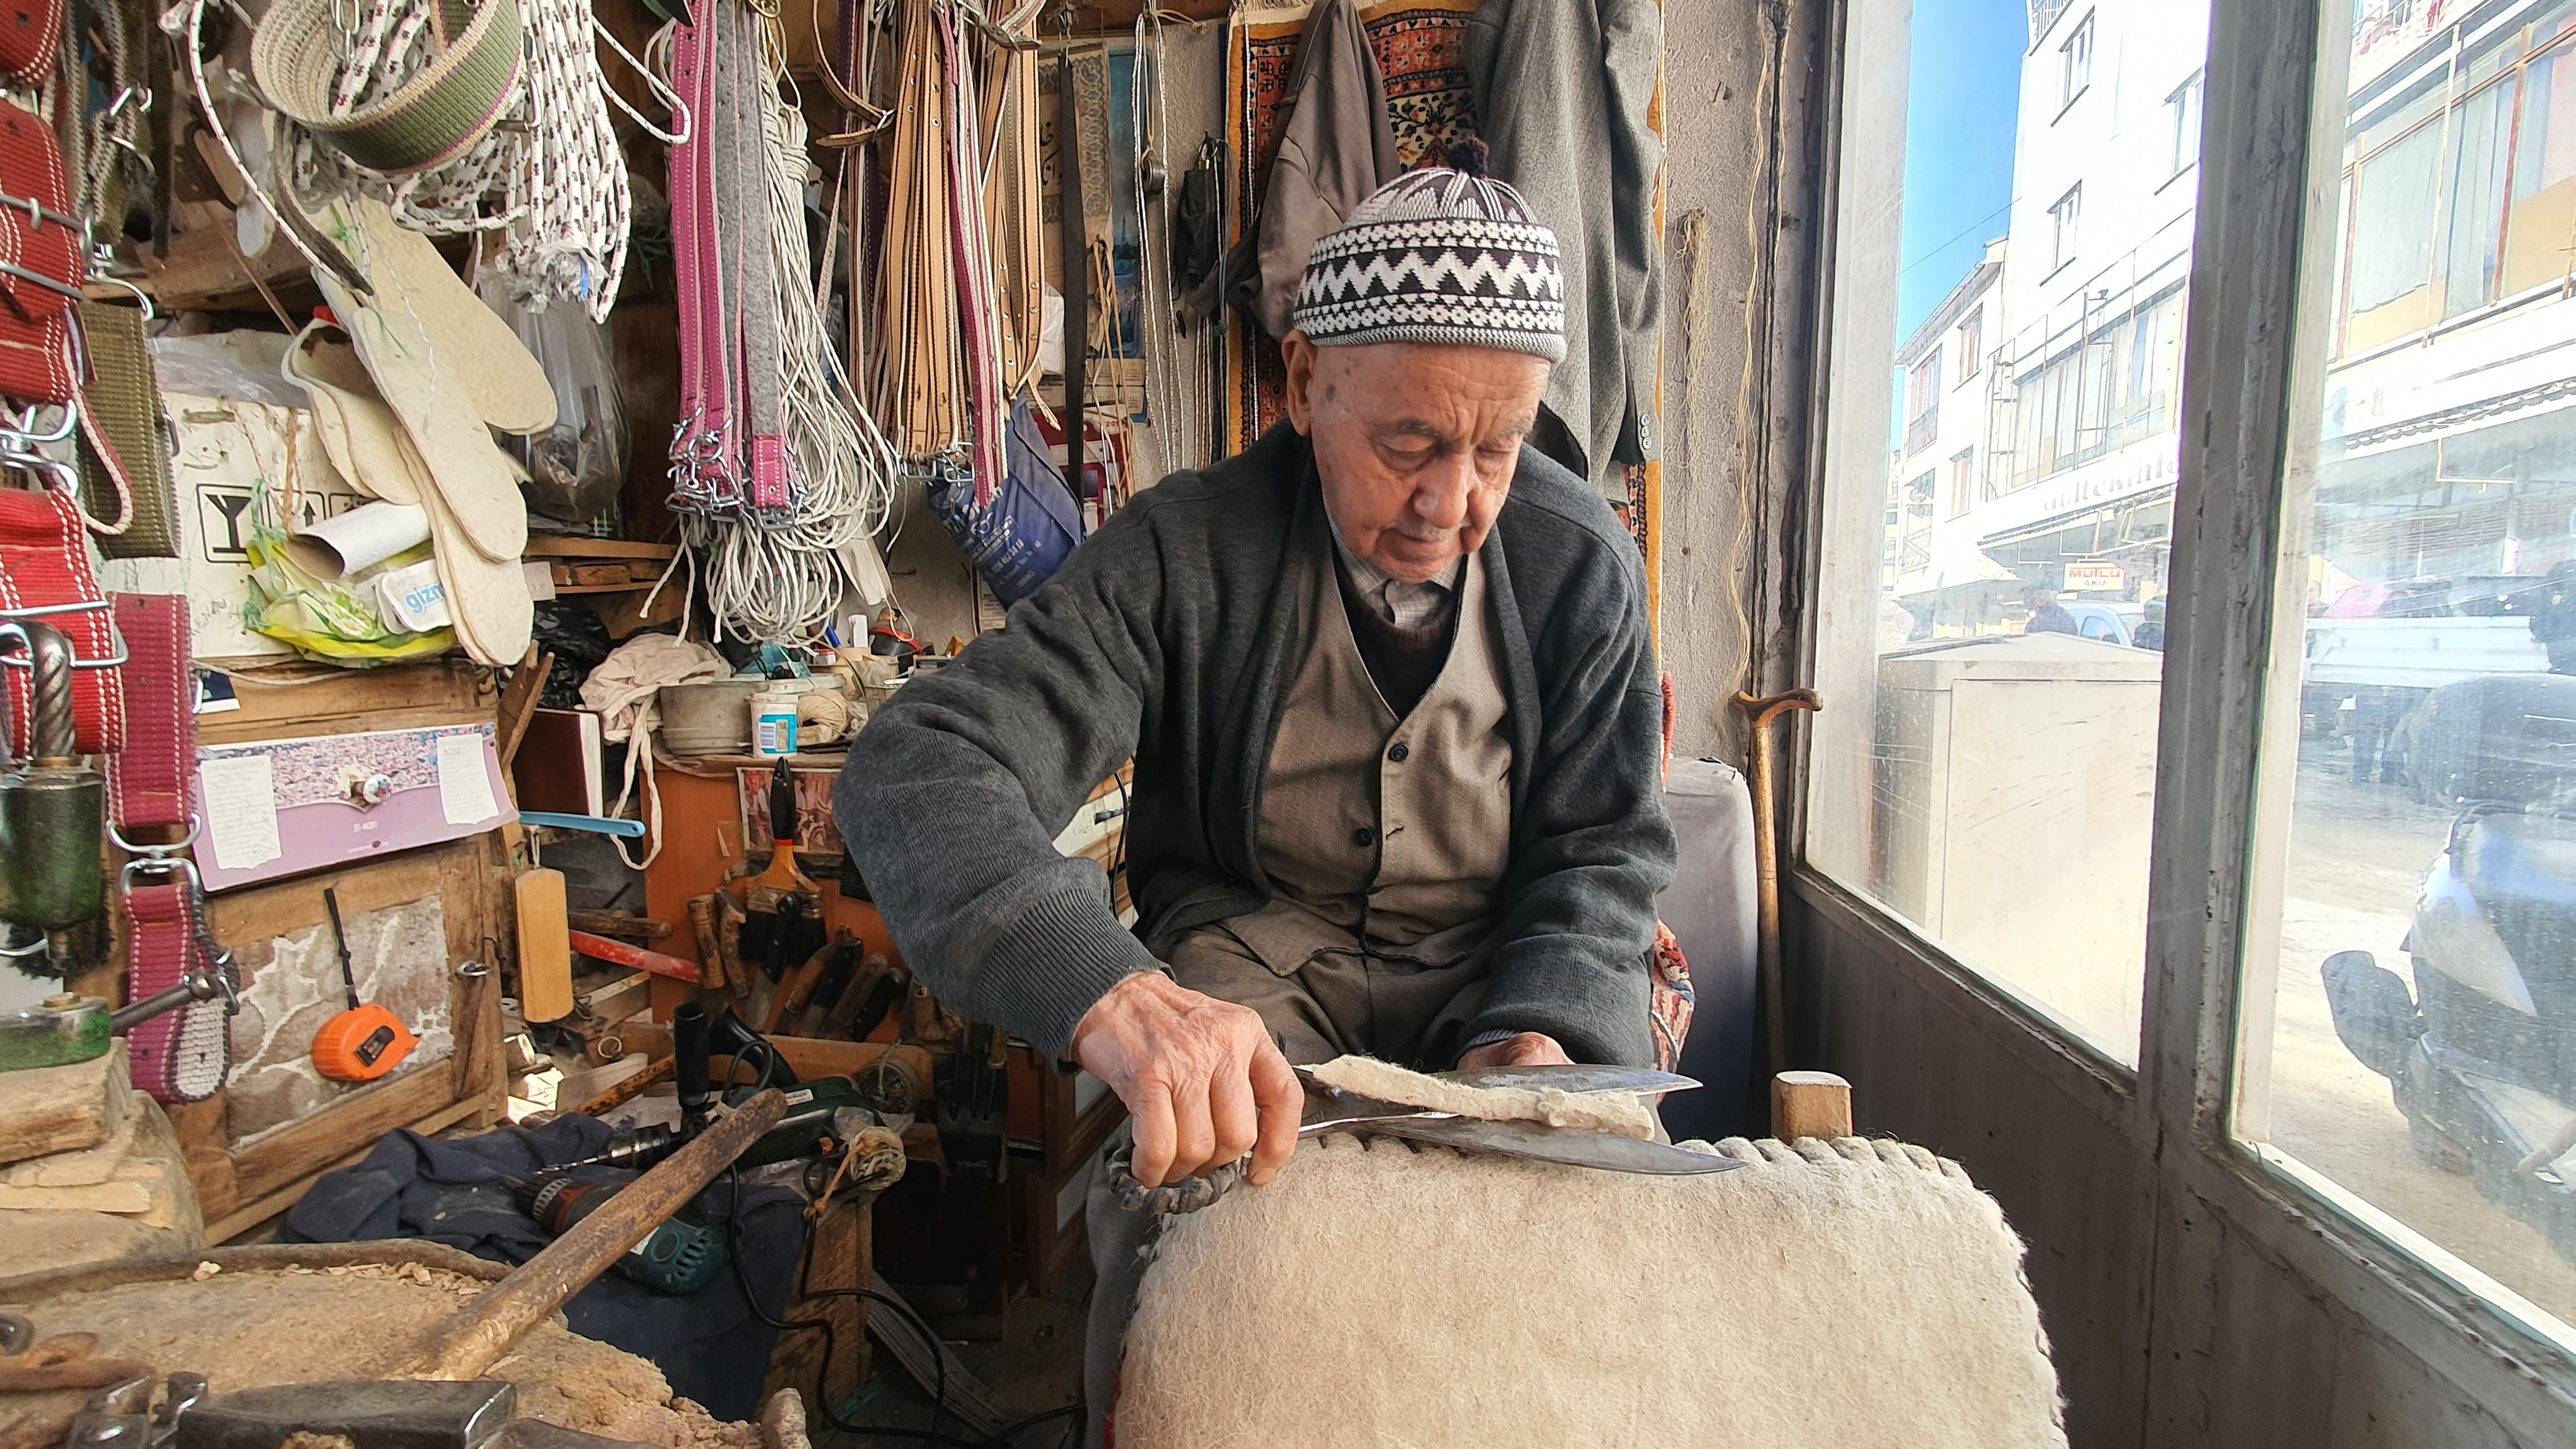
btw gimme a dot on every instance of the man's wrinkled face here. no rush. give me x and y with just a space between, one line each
1416 444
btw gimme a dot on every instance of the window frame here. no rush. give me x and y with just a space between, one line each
1971 334
2065 232
2273 116
2196 88
2074 53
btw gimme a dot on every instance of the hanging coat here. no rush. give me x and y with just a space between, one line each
1563 88
1336 145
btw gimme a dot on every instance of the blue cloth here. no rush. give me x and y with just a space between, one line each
711 1346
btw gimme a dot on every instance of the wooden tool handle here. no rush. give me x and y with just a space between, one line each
702 924
545 948
799 989
478 1335
626 953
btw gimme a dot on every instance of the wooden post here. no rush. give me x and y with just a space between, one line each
842 1259
1073 254
479 1334
1810 1104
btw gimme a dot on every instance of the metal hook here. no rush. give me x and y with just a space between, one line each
149 311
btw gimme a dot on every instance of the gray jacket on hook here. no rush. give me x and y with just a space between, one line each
1562 90
1336 145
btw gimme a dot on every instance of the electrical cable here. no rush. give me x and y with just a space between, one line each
822 1398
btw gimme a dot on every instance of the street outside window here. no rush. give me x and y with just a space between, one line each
1984 768
2408 1037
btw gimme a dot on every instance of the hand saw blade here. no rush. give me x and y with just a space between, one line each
1538 1141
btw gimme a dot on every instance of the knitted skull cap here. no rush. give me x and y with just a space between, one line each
1444 255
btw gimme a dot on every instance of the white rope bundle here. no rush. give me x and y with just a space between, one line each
550 174
784 581
569 239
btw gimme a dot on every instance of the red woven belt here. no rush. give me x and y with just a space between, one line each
182 1055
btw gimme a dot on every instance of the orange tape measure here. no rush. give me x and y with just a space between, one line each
363 1042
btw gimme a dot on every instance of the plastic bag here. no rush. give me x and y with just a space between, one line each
331 621
576 467
1025 534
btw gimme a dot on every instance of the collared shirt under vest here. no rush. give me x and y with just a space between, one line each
1383 836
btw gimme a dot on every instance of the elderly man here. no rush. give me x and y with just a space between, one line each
1395 721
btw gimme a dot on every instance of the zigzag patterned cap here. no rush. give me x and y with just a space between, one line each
1442 255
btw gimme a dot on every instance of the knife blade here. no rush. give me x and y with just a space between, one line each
1538 1141
1578 1078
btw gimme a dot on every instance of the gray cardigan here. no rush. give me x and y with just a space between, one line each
1171 636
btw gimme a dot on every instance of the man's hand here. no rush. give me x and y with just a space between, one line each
1201 1077
1529 1049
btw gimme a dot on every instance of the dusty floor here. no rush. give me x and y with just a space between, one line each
1036 1366
2356 855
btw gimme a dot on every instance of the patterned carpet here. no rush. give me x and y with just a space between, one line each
1421 45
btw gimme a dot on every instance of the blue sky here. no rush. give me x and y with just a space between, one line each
1964 96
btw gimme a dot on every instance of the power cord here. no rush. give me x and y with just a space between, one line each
1003 1439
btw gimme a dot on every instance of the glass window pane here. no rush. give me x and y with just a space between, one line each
1990 779
2392 246
2410 1015
2481 138
2544 174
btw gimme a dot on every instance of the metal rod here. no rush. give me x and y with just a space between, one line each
479 1334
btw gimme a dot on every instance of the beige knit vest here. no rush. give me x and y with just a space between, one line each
1395 830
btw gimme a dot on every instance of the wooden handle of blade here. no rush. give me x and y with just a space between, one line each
478 1335
702 924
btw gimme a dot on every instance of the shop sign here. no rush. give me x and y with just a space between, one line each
2096 578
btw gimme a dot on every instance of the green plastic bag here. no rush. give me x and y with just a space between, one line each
329 621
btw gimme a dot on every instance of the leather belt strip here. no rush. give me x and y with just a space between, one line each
182 1055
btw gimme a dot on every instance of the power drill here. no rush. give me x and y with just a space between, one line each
677 1258
808 1130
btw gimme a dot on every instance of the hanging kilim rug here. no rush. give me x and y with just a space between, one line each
1421 45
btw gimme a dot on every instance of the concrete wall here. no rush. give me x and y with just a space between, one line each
1715 104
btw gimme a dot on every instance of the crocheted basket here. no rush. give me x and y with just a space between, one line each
430 119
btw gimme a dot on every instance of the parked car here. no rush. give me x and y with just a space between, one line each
2110 623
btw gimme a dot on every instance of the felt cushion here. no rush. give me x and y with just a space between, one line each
1830 1296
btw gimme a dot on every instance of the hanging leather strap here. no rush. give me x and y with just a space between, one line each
178 1056
149 781
182 1055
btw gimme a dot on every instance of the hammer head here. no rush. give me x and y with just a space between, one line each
370 1414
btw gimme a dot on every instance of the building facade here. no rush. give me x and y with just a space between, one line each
2448 447
2072 487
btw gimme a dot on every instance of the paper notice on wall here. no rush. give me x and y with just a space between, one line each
239 796
464 789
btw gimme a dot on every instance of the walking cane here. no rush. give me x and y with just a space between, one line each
1766 856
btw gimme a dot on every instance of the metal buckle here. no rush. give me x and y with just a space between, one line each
157 852
163 865
13 659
